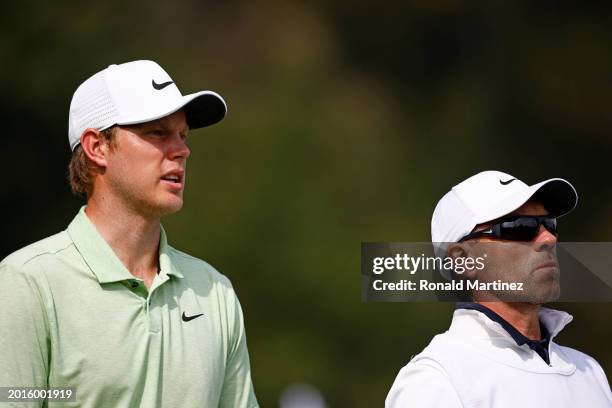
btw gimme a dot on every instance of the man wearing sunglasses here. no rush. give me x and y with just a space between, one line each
499 350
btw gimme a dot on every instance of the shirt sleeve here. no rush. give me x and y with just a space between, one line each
603 380
422 384
599 372
24 334
237 389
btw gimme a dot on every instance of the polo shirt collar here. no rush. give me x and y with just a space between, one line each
551 321
474 327
101 258
166 266
539 346
518 337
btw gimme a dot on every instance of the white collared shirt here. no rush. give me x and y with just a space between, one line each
476 363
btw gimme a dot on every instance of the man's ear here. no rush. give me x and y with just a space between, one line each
461 250
95 146
456 251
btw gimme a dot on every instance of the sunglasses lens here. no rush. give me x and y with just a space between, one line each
550 224
521 229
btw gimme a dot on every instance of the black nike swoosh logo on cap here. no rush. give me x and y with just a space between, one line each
161 86
188 318
505 183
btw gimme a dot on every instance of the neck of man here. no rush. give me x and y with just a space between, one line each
523 316
133 236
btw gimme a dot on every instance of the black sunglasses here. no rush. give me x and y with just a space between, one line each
517 228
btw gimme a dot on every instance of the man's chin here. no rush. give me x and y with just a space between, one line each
168 206
173 208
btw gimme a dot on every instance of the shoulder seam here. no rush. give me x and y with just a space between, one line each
185 255
46 252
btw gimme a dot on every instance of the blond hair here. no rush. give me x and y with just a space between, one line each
81 170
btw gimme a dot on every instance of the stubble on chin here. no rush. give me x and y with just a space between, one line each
150 203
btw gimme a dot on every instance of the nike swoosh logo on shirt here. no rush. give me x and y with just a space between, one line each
188 318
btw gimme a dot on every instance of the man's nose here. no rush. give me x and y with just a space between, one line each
179 148
545 238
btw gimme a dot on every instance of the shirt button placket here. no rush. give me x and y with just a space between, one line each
152 315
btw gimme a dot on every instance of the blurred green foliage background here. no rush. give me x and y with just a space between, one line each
347 122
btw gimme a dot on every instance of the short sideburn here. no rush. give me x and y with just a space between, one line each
81 170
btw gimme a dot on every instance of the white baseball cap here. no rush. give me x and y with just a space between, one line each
136 92
489 195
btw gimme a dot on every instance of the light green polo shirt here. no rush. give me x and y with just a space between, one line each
72 315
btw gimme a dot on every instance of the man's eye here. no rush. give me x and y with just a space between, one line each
156 132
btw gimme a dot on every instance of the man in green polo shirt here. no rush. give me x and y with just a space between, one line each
107 309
